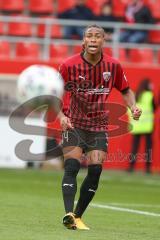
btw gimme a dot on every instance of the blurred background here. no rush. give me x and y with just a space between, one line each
49 31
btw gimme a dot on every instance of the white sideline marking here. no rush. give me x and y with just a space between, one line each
134 205
125 210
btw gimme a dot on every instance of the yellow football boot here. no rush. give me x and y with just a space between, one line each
80 225
69 221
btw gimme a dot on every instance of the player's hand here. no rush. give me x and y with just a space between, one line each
65 123
136 112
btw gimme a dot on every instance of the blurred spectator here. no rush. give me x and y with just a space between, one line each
144 127
106 15
78 12
136 12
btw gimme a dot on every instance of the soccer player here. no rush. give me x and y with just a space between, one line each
90 77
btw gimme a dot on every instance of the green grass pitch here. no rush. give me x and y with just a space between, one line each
31 207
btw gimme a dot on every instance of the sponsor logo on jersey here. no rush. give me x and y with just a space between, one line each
98 91
81 77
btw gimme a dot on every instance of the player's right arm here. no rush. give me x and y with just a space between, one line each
64 120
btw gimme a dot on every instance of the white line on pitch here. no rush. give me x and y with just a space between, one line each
124 210
134 205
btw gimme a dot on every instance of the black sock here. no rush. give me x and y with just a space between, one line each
88 188
69 183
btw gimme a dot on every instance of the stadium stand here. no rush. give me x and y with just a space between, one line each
154 36
77 49
41 6
13 6
5 50
118 9
1 28
158 56
22 28
34 27
55 31
63 5
95 5
155 7
108 51
144 56
59 52
123 55
28 51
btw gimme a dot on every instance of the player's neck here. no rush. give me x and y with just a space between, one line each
92 58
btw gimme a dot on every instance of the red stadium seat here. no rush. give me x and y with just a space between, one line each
41 6
63 5
1 28
96 5
56 30
154 36
77 49
141 56
119 7
12 5
20 28
58 53
108 51
5 49
154 6
158 56
27 50
122 55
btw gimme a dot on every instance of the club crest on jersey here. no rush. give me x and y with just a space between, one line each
106 76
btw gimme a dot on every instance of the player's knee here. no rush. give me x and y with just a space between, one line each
96 157
71 167
94 172
72 152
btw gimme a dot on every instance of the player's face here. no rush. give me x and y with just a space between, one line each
93 40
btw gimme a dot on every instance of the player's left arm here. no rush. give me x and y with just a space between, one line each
130 101
122 84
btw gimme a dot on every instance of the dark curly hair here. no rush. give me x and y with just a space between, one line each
93 26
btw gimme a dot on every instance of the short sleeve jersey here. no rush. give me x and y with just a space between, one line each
89 87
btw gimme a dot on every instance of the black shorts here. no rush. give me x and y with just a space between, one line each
87 140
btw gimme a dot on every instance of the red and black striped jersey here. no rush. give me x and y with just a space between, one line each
89 86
